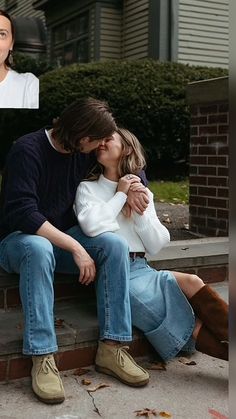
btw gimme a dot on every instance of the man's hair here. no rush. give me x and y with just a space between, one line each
86 117
133 157
7 16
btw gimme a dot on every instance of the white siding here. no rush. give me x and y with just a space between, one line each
135 29
203 35
110 33
24 8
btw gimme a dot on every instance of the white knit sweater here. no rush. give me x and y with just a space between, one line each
98 209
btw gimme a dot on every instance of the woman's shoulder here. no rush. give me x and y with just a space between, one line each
88 184
23 77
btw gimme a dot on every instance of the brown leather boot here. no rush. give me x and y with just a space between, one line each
212 311
208 344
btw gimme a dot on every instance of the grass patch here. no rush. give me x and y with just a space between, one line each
170 192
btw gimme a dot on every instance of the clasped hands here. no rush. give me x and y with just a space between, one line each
137 194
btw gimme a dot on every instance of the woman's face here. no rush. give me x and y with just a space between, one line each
6 41
110 151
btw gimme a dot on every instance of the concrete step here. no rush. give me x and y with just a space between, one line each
206 257
77 334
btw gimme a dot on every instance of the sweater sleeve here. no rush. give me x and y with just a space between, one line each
153 234
20 196
94 215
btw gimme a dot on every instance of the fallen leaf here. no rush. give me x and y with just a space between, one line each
167 220
157 366
59 323
165 414
81 371
217 415
86 382
184 248
165 215
186 226
101 385
146 412
186 361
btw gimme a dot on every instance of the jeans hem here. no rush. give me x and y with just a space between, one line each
40 351
115 337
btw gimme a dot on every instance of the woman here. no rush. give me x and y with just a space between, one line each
16 90
163 303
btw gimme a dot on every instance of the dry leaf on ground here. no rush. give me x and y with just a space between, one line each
161 366
165 414
187 361
95 388
86 382
217 415
146 412
81 371
167 220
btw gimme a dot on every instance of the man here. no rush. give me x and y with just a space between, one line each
39 235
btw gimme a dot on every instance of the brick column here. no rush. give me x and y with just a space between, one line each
209 155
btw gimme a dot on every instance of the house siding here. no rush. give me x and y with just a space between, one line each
110 33
135 29
23 8
203 32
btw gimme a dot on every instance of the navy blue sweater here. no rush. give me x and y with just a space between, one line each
40 184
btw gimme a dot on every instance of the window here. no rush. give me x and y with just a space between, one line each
70 41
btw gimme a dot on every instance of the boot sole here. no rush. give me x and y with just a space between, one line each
113 374
50 401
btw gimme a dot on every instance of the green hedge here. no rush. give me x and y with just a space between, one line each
148 97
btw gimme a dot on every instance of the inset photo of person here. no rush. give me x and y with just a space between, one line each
17 90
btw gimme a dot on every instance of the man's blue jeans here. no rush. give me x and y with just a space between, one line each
36 259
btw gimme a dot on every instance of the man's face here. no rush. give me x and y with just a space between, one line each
87 145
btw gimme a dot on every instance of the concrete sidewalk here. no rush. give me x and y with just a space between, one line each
185 391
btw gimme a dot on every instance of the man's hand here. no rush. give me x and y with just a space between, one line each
86 266
138 199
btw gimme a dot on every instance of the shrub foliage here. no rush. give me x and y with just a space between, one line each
146 96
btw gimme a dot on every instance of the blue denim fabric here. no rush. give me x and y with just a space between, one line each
160 309
36 259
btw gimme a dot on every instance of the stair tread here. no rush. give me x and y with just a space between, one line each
76 323
179 253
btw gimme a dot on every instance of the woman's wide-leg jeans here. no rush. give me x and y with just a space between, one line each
36 260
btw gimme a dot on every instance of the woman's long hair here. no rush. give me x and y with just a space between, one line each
132 159
8 62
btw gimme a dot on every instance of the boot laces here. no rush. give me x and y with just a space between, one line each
121 353
47 365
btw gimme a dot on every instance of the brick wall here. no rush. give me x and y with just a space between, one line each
209 157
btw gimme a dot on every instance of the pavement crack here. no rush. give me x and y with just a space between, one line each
96 410
95 407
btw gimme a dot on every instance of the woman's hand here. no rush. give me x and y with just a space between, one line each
85 264
126 182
